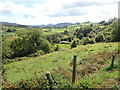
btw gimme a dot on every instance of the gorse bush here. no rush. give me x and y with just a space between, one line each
30 43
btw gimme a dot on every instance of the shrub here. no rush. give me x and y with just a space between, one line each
57 48
54 38
65 38
29 44
116 31
70 39
38 53
65 32
85 40
100 38
92 41
81 42
85 85
108 38
80 36
77 41
74 44
6 50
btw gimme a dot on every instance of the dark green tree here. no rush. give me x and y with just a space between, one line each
65 32
30 43
85 40
70 39
74 44
100 38
80 36
116 31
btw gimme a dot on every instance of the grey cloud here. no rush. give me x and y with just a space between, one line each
84 4
69 12
5 12
28 16
74 9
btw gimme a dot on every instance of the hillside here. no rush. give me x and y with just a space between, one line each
92 62
54 25
29 52
12 24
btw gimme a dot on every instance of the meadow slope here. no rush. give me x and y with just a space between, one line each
93 61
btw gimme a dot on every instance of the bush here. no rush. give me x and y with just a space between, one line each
85 40
108 38
116 31
80 36
70 39
57 48
6 50
10 30
38 53
74 44
29 44
85 85
100 38
54 38
81 42
92 41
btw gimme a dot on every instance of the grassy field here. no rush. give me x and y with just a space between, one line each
93 61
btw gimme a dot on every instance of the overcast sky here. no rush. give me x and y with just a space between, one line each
36 12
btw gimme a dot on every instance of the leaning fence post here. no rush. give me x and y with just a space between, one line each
113 58
49 78
74 68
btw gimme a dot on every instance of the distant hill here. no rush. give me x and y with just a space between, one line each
87 22
12 24
63 24
55 25
42 25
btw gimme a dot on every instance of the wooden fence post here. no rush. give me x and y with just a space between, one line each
74 68
49 78
113 58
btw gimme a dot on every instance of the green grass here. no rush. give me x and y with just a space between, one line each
63 46
102 78
26 69
4 33
101 26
